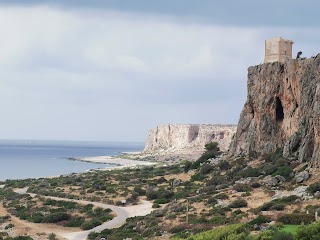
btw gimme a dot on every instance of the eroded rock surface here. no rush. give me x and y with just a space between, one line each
282 111
177 137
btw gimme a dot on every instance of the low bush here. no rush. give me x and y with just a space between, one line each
221 196
187 166
234 232
278 204
206 168
284 171
224 165
216 180
297 218
238 203
212 200
309 232
259 220
197 177
242 188
249 172
156 205
56 217
90 224
315 187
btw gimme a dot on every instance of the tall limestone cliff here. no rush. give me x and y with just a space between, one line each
282 110
177 137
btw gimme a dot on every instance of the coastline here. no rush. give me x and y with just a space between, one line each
117 162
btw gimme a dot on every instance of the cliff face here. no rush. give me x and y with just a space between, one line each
282 110
172 137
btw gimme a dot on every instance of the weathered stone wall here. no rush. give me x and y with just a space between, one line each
282 110
172 137
278 50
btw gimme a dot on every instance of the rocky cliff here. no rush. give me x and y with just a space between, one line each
282 110
177 137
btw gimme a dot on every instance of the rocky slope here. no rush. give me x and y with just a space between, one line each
282 111
173 137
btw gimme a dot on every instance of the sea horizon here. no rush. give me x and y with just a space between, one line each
21 159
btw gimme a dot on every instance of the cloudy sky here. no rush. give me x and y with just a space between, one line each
110 70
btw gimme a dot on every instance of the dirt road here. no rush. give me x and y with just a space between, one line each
122 213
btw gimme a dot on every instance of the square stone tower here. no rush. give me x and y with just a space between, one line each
278 49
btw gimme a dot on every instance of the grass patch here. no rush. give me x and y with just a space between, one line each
290 228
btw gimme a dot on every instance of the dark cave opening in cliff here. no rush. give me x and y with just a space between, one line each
279 110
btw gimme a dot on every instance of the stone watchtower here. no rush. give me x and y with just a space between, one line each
278 49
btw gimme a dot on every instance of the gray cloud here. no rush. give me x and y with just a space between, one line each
228 12
88 74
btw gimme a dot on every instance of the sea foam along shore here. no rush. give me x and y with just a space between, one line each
118 162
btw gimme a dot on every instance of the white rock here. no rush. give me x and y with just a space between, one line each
173 137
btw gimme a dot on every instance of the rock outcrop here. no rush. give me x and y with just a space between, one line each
282 111
177 137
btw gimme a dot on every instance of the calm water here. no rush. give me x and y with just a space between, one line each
31 159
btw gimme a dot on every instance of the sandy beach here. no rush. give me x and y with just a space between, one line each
119 162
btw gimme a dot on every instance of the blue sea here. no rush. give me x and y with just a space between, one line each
20 159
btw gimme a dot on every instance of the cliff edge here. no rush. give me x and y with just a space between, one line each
282 111
179 137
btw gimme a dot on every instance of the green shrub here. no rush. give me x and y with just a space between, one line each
139 190
249 172
297 218
75 222
242 187
177 229
212 146
278 204
206 168
56 217
52 236
315 187
187 166
259 220
284 171
238 203
161 200
309 232
156 205
221 196
90 224
197 177
152 194
216 180
282 236
230 232
212 200
217 220
269 169
224 165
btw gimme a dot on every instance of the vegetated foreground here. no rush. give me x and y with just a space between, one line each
250 199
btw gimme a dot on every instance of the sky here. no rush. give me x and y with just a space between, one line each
111 70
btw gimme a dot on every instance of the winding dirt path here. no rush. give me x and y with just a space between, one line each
122 213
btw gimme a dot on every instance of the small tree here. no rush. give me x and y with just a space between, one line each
212 146
52 236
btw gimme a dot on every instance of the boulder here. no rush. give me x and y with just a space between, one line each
316 194
274 181
176 182
301 176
